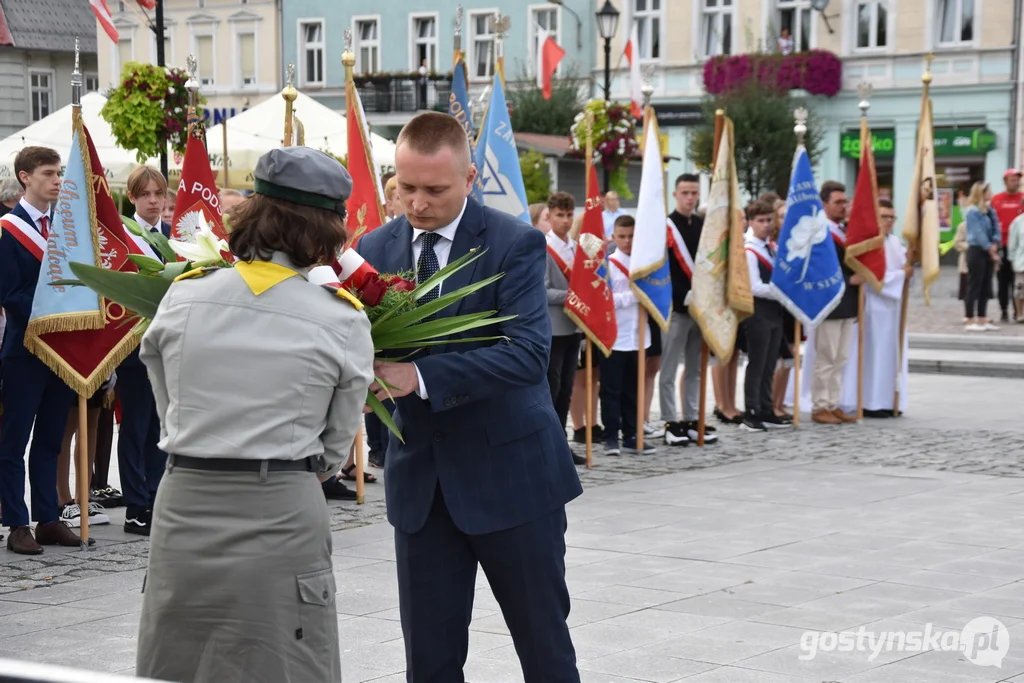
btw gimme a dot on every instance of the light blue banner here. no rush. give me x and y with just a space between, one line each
458 107
497 159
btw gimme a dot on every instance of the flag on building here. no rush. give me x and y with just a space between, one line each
721 281
197 202
365 206
80 335
865 243
458 106
921 224
549 54
807 277
497 159
589 302
649 267
148 4
102 12
632 52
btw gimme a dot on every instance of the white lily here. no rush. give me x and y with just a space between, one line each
206 248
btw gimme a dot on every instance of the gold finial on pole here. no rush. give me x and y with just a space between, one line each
76 81
289 94
348 58
864 90
800 117
647 89
192 84
499 25
926 77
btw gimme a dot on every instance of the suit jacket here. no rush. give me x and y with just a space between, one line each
487 434
132 361
556 289
19 275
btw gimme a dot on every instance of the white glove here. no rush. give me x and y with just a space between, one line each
108 385
689 297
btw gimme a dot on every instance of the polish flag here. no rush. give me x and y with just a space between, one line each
148 4
102 12
549 54
632 52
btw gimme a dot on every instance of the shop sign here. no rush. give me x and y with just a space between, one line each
948 142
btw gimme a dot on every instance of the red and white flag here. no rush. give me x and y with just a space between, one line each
549 54
148 4
197 203
632 52
102 12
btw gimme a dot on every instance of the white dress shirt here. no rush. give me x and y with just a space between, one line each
442 249
627 308
35 214
566 248
758 287
141 243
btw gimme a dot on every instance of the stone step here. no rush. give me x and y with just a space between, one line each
974 341
975 363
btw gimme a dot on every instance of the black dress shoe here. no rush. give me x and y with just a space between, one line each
21 542
376 459
335 490
578 460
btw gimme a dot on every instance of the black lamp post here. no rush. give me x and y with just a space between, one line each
607 24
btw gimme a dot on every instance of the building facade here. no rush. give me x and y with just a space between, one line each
37 56
974 43
236 43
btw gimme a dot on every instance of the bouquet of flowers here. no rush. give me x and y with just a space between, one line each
614 139
399 326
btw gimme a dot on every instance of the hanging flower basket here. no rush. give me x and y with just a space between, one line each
819 72
614 140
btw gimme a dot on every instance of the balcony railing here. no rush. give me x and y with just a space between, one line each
403 93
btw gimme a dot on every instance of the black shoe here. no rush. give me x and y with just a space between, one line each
335 490
752 424
1005 318
138 521
709 432
878 413
376 459
580 435
773 421
629 444
676 434
578 460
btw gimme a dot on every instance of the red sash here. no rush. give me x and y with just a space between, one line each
678 248
624 269
26 235
761 258
562 266
837 238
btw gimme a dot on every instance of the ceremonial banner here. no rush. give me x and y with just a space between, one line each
632 53
589 302
649 267
197 202
365 207
458 107
81 336
921 224
807 277
721 281
549 54
497 159
865 244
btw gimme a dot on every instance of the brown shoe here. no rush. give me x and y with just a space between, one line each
843 417
825 417
58 533
21 542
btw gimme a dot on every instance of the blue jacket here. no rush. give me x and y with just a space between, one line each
132 362
487 434
982 228
19 275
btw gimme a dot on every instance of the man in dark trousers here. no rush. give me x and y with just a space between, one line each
485 471
140 461
36 402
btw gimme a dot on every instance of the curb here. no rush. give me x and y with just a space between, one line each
966 342
927 366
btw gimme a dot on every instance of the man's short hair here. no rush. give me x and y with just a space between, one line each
32 157
624 221
759 208
142 176
885 204
769 197
10 189
562 201
430 131
687 178
830 186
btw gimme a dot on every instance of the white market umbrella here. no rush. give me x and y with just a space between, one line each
55 131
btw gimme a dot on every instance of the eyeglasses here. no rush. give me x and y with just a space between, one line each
888 217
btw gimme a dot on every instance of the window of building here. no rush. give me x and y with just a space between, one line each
647 14
120 6
367 46
424 42
201 4
956 21
247 58
124 54
41 93
203 48
795 21
716 27
312 52
872 24
92 83
542 19
481 41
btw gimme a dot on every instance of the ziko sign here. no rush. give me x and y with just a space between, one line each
948 142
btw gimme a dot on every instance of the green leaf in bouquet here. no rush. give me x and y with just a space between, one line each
441 342
175 268
431 308
433 329
380 411
146 264
68 283
160 244
136 292
446 272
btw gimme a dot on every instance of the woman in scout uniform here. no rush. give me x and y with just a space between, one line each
260 378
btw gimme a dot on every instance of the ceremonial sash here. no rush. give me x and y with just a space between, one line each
142 244
837 236
678 247
760 257
624 269
27 235
562 265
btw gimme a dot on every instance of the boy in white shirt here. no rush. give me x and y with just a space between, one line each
619 370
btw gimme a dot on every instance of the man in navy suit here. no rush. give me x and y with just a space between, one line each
140 461
484 472
36 402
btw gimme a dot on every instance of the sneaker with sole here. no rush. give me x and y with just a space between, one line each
71 514
773 421
97 515
989 327
653 431
138 521
709 432
630 445
612 448
752 424
675 434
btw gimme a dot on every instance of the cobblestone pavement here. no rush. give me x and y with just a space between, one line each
946 313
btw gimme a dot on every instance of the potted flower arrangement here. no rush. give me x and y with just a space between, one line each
818 72
614 140
149 110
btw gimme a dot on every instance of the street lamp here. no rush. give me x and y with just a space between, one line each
607 24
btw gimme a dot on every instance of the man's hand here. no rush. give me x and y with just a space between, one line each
401 379
857 279
909 270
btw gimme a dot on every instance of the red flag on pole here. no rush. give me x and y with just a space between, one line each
197 202
102 12
632 52
365 208
148 4
549 54
589 303
865 244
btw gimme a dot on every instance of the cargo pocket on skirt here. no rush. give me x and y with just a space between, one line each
318 617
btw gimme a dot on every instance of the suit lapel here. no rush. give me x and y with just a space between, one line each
467 236
398 256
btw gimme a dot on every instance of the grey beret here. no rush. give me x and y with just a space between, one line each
305 176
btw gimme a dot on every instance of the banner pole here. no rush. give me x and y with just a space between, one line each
82 471
796 373
860 353
360 484
705 351
904 305
589 409
641 362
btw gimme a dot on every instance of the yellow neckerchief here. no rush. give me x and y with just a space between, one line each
262 275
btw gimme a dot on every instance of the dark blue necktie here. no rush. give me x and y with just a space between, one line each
428 266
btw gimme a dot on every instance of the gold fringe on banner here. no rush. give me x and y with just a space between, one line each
84 386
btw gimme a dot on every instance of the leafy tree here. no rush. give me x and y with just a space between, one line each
536 178
531 113
764 138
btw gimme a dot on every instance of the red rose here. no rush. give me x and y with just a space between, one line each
401 284
373 290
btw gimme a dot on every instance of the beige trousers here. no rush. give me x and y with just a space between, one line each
831 349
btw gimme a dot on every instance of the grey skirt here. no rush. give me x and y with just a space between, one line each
240 587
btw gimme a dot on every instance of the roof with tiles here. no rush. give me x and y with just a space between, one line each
50 25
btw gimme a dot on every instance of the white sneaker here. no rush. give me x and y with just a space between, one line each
989 327
71 515
653 431
97 515
974 327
